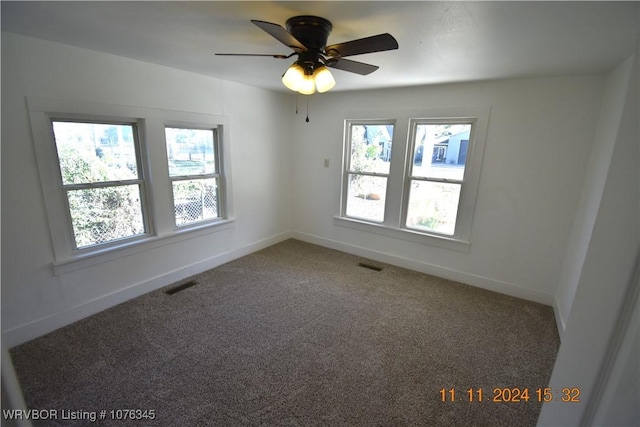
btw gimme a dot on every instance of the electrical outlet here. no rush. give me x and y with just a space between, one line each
326 163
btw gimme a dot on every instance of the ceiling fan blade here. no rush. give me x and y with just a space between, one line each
256 54
352 66
282 35
378 43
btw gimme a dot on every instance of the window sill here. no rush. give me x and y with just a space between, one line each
404 234
99 256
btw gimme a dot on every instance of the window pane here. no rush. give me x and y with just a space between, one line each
101 215
366 196
441 150
371 148
433 206
190 151
195 200
93 152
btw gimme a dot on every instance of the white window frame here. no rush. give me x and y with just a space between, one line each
399 177
140 181
410 178
347 169
219 175
150 123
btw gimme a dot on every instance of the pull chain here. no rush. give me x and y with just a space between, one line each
307 119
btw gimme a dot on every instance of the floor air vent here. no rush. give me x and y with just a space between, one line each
369 266
181 287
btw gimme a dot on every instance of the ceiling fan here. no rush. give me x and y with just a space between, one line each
307 36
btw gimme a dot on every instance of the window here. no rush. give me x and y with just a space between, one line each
436 174
101 178
194 173
368 169
112 187
414 178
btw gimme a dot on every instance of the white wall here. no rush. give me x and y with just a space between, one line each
35 301
607 288
537 151
605 137
621 392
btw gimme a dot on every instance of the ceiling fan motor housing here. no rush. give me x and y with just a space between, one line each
311 31
307 35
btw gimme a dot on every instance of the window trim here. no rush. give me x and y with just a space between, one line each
154 167
409 178
347 164
218 175
141 182
397 189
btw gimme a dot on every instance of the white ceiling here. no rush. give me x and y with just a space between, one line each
439 41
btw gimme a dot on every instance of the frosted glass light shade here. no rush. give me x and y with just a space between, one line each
323 78
297 79
308 86
293 77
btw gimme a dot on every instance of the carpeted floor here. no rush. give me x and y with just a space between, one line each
297 334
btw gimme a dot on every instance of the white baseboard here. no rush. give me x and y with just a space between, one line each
37 328
423 267
34 329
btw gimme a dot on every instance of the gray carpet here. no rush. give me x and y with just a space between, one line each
298 335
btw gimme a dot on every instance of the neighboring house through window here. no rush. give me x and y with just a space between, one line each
424 187
435 181
368 168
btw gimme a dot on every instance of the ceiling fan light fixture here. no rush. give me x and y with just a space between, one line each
323 79
307 35
294 77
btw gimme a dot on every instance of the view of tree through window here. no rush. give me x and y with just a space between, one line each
370 158
101 179
194 174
